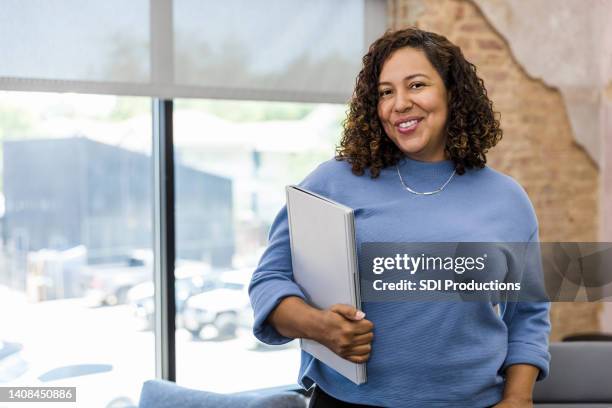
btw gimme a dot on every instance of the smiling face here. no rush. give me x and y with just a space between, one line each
413 104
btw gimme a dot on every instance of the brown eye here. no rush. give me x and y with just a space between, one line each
417 85
384 92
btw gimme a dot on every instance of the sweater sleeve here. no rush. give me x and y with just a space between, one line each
273 281
528 323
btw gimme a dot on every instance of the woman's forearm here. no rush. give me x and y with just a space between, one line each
520 379
294 318
341 328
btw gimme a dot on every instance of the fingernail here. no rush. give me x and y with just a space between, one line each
359 315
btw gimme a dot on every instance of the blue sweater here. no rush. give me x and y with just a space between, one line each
424 354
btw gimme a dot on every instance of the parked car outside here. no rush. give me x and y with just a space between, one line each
219 309
108 284
191 278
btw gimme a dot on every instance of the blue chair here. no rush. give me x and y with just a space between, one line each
166 394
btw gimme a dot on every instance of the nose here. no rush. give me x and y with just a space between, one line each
403 102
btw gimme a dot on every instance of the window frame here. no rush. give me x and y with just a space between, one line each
164 239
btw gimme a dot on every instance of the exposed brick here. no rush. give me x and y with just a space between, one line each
490 45
499 76
464 43
472 27
460 11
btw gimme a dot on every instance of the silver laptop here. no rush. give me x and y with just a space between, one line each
324 260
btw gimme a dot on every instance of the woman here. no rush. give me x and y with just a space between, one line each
420 123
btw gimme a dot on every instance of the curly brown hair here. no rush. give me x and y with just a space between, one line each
471 128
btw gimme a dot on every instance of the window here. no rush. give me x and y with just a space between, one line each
77 194
75 243
232 163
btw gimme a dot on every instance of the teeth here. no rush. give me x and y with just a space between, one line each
408 124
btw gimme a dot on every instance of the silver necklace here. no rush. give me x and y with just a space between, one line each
426 192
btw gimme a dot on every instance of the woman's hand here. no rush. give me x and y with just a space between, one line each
346 332
341 328
514 403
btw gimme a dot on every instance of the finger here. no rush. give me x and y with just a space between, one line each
347 311
359 350
363 339
358 359
363 326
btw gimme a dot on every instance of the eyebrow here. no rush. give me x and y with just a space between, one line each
405 79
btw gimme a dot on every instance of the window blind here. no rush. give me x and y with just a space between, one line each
286 50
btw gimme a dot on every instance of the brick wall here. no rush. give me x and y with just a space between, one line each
538 147
606 211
